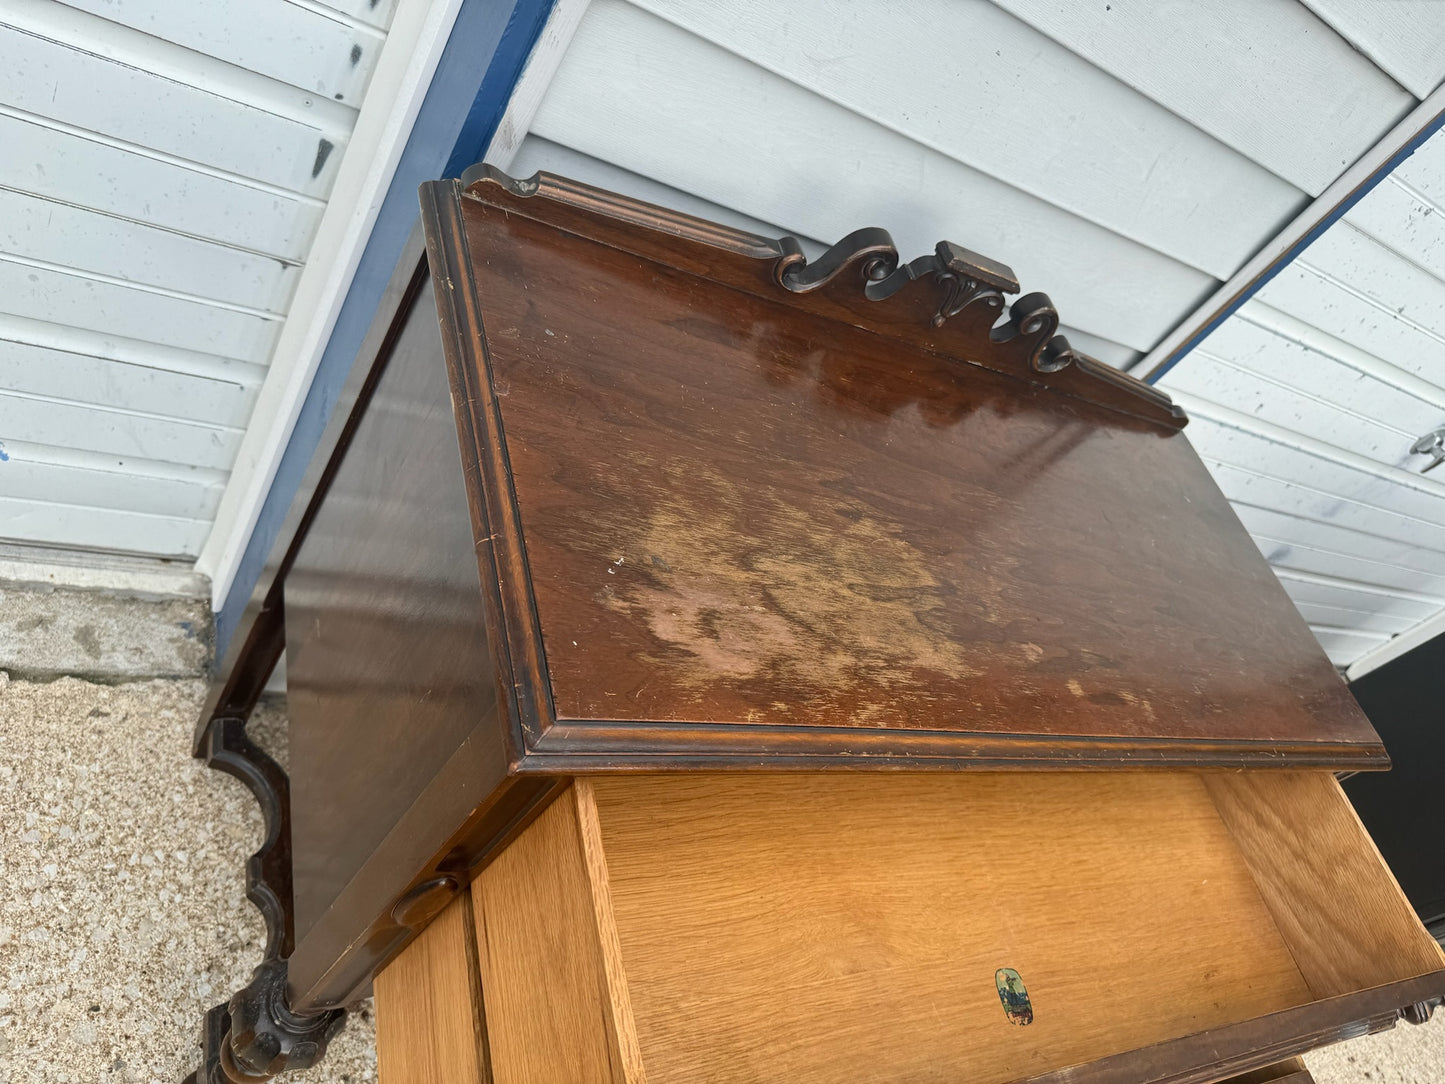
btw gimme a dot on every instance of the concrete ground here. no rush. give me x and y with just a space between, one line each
122 907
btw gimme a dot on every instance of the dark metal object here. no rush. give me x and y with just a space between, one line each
1421 1011
1433 445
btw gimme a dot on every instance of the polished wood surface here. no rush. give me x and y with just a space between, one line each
780 534
672 514
430 1027
662 928
388 665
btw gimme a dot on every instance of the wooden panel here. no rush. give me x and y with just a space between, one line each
92 171
98 94
59 234
552 1012
429 1023
799 928
1227 66
50 295
30 369
1198 201
104 530
1286 1072
358 661
773 153
745 491
1404 37
297 44
1345 920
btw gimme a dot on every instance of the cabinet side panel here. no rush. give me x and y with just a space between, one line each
388 666
429 1024
1345 920
552 1014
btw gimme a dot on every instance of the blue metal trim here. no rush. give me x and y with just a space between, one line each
479 67
1292 253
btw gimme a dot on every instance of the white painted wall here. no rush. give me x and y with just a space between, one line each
165 171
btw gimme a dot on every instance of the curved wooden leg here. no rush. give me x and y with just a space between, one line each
255 1035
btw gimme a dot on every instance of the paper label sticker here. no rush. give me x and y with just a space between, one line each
1015 998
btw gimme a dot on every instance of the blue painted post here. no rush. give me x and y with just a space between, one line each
479 67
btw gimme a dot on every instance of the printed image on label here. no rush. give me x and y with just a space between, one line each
1015 998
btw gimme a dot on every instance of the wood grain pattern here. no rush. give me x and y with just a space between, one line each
739 509
775 928
551 1013
1345 920
429 1023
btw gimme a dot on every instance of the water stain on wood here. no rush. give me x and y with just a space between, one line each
758 588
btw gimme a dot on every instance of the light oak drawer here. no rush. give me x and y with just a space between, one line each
1164 926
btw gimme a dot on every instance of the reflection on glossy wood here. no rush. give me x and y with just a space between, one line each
824 518
388 668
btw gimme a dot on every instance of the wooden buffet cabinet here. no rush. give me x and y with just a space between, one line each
806 671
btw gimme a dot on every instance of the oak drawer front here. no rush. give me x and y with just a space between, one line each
995 928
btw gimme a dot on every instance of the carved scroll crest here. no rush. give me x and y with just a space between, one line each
971 289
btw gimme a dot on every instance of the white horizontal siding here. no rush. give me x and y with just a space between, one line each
92 92
164 168
1307 401
79 299
778 159
38 472
104 530
1406 38
38 420
311 48
536 153
1124 162
1266 77
1344 646
61 234
104 381
88 170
